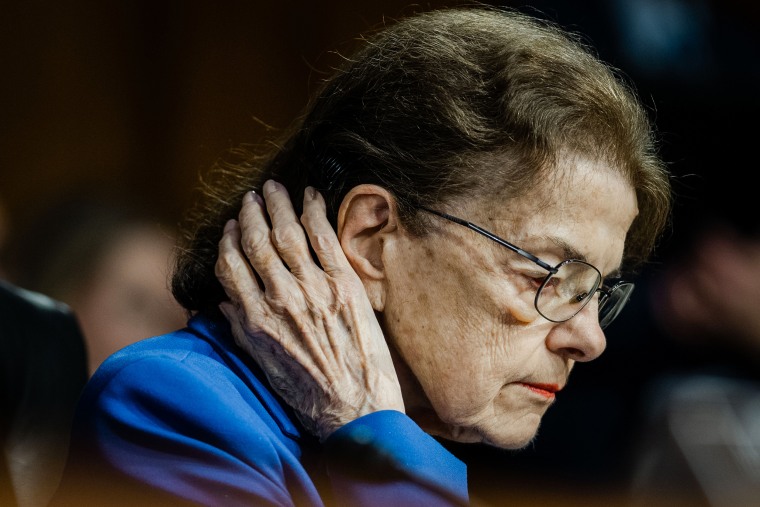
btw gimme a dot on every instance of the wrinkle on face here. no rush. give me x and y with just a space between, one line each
464 336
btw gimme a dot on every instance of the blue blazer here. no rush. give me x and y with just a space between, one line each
188 418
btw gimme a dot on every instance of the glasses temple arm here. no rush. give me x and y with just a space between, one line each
495 238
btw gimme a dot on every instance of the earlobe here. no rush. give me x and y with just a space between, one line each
366 217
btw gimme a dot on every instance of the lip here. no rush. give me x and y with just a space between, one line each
548 391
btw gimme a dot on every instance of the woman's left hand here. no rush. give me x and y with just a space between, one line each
311 329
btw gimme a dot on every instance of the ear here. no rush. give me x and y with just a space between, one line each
365 218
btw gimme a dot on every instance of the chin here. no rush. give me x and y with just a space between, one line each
504 432
512 434
516 437
512 442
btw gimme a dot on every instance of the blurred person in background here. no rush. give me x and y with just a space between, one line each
700 435
42 370
710 296
4 233
109 263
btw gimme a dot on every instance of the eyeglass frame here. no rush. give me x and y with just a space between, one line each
604 292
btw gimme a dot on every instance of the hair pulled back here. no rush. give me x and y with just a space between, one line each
442 105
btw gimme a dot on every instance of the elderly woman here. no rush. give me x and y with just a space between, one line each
470 185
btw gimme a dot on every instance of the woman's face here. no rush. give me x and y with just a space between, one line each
477 363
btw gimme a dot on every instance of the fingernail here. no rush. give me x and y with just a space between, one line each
270 187
230 225
252 196
310 193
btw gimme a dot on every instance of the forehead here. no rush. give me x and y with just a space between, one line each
584 209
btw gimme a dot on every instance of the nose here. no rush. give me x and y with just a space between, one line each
580 338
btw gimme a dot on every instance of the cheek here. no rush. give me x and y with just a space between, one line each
463 378
454 326
434 308
460 353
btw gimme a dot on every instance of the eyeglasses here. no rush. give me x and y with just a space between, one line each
569 286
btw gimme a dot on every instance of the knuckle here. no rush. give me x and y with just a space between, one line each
308 216
321 240
254 243
227 271
286 237
220 269
280 302
249 323
223 266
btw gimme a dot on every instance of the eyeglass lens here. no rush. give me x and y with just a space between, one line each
566 292
570 289
614 303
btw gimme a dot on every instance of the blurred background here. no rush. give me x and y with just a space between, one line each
113 109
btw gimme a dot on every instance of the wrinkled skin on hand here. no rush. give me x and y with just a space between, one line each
311 329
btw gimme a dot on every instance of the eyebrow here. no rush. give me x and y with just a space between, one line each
568 251
571 252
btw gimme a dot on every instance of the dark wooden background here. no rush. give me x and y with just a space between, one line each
136 98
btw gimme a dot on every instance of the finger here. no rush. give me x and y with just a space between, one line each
322 236
256 241
232 269
287 234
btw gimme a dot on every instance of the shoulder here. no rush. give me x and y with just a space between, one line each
176 366
184 380
184 414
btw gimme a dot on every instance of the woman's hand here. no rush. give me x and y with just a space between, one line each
311 329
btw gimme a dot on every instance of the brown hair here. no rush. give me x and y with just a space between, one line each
445 104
